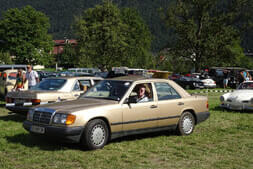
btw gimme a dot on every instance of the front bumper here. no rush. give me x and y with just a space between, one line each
210 85
66 134
202 116
232 106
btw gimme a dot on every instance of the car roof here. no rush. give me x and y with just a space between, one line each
251 81
129 78
75 77
134 78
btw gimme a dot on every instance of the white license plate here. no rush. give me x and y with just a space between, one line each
37 129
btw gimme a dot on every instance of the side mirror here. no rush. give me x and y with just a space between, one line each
130 100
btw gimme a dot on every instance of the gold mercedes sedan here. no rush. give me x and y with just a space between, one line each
119 107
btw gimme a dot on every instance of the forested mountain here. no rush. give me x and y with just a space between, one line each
62 12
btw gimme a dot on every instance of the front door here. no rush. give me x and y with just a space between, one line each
142 114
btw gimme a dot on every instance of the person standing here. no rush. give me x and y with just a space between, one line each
19 80
226 78
32 77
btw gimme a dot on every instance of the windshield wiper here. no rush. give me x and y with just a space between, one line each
106 98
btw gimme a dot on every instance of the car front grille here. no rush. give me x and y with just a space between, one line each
42 117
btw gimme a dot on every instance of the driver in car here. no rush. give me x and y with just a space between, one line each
141 94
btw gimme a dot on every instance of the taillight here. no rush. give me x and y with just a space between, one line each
8 100
207 105
36 101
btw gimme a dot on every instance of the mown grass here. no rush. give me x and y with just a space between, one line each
225 140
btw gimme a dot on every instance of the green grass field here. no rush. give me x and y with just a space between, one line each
224 141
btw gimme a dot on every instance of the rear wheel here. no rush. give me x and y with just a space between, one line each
187 87
5 92
95 135
186 124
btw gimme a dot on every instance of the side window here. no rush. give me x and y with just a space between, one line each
142 93
96 81
166 92
84 84
77 87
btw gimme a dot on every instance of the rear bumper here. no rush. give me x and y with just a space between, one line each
202 116
21 107
17 108
66 134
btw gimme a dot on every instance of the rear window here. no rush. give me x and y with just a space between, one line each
12 75
50 84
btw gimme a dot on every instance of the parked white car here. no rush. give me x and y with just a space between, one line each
209 83
240 99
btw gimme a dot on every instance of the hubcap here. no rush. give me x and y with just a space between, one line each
98 135
187 125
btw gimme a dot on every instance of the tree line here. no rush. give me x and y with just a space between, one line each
205 33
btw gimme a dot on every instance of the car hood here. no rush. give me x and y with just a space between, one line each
241 95
77 105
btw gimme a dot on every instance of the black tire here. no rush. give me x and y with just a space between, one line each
5 92
187 87
95 135
186 124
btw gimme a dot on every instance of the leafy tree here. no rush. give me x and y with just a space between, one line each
205 30
25 33
138 39
68 58
5 58
110 38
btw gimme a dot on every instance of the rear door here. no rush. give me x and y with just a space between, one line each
169 104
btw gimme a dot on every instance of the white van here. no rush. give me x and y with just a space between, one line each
8 80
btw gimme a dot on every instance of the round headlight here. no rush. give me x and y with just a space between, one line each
222 99
57 118
63 118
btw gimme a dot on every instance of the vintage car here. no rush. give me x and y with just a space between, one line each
53 89
240 99
189 82
110 109
208 82
8 80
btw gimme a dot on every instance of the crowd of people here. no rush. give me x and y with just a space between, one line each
243 76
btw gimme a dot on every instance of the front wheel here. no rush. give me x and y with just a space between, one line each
95 134
186 124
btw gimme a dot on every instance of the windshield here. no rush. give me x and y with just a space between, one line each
50 84
246 85
108 89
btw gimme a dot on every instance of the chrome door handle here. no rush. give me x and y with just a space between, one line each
180 103
153 106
